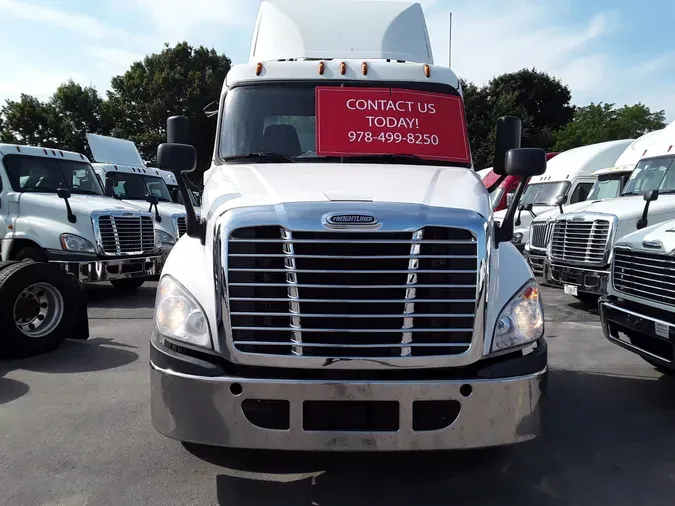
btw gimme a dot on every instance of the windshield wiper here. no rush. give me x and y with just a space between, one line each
85 192
269 157
38 189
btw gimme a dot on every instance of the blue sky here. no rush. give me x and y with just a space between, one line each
606 50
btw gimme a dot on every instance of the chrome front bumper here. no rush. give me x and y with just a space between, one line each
592 281
109 270
536 258
619 317
238 412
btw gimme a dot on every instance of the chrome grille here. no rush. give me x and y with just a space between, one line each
644 274
540 234
352 294
126 235
580 241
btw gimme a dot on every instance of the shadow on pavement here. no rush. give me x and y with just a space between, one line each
105 296
606 440
96 354
11 390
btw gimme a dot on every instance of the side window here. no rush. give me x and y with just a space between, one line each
33 173
580 192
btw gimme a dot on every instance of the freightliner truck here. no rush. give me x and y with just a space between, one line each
345 287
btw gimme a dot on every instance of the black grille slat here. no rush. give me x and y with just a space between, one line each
644 274
348 294
126 235
181 225
583 242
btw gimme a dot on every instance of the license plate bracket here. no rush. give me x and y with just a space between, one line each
571 289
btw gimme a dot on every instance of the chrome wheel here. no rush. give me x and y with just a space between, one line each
38 310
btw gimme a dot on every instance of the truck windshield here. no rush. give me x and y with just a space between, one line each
415 123
607 187
652 174
46 175
131 186
544 194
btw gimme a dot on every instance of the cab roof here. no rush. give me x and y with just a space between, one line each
16 149
370 30
582 161
611 170
111 167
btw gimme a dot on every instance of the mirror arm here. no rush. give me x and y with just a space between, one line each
561 208
191 222
642 222
496 184
71 217
532 213
504 233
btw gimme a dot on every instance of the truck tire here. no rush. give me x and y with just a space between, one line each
39 309
127 284
3 265
34 253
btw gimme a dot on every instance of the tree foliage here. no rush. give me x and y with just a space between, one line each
603 122
183 79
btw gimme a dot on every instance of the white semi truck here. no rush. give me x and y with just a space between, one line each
53 209
609 184
579 252
125 177
346 287
638 312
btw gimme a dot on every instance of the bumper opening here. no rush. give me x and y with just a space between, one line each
434 415
379 416
267 413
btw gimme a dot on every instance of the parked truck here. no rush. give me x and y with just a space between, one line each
126 178
347 288
579 253
637 313
570 175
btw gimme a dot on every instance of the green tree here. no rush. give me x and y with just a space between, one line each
602 122
178 80
541 101
79 111
30 121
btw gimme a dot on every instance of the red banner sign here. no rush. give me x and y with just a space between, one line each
373 121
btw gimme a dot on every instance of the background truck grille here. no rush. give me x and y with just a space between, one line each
181 226
126 235
647 275
580 241
541 233
348 294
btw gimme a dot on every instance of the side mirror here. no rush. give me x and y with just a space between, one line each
560 201
152 199
178 130
525 162
177 158
651 195
508 137
63 193
211 110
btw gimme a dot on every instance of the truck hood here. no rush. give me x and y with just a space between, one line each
82 205
631 207
271 184
662 237
569 208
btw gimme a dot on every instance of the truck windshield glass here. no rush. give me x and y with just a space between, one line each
607 187
544 194
46 175
496 196
131 186
653 174
313 122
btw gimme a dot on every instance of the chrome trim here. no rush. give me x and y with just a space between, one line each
586 217
96 215
176 228
536 234
99 270
647 279
372 225
307 217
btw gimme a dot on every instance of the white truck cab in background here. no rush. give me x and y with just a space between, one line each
53 209
569 174
174 189
126 178
333 295
638 312
579 253
609 184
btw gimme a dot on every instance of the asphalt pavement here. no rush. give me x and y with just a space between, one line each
75 430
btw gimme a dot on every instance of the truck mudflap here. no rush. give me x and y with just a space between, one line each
647 332
193 403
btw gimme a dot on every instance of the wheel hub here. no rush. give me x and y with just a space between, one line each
38 310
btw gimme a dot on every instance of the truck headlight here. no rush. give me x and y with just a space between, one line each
178 315
70 242
522 319
162 237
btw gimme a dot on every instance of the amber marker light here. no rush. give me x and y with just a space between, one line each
258 69
364 68
427 70
343 68
322 67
